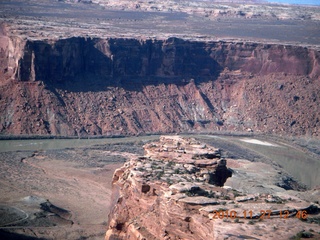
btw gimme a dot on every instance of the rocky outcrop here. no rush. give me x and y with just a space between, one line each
91 86
178 191
200 159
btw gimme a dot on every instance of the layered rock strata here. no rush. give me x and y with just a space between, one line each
130 59
91 86
178 191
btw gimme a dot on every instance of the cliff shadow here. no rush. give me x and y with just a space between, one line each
82 65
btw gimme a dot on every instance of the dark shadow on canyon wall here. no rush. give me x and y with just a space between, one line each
80 64
93 64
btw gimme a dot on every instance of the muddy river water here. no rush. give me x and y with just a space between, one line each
302 166
298 163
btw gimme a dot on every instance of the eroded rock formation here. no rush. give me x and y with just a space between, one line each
92 86
172 193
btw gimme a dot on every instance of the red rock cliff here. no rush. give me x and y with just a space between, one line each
84 86
123 59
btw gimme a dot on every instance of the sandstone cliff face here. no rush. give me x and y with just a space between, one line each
114 59
11 50
85 86
110 59
169 194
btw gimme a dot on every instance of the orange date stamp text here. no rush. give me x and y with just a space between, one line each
263 214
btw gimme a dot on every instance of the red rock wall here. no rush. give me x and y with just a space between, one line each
83 87
70 59
11 51
265 59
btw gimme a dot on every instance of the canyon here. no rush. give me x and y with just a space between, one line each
132 71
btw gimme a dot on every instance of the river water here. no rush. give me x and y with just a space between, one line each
297 163
300 165
47 144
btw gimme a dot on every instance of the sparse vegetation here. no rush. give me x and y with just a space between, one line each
222 209
302 234
154 166
236 193
315 220
159 175
170 164
210 194
190 194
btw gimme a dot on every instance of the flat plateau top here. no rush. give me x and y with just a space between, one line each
294 25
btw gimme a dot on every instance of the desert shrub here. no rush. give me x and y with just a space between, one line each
315 220
170 164
159 175
190 194
302 234
236 193
210 194
222 209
